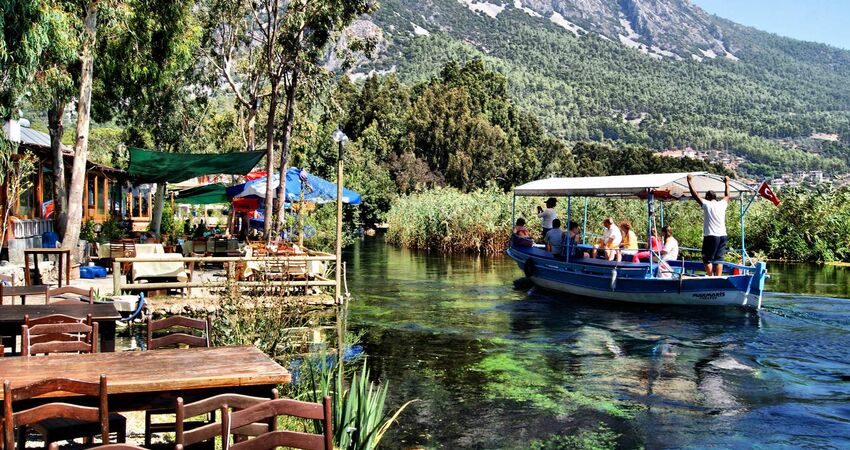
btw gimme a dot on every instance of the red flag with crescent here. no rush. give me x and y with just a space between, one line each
766 192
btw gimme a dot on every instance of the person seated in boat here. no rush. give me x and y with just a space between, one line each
655 246
610 241
547 215
669 252
629 245
555 239
521 236
572 243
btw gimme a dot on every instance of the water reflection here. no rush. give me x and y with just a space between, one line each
496 367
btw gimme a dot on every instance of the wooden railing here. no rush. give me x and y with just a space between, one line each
231 280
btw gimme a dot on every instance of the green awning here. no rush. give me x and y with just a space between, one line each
158 167
203 195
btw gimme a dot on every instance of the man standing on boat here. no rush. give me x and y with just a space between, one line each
713 227
547 215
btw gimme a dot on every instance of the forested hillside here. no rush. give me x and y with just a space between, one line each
763 103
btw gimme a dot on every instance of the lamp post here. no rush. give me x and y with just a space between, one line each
340 138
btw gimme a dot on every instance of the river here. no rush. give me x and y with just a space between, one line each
496 367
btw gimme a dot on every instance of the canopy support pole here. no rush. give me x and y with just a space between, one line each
567 225
743 230
513 212
649 227
661 208
584 227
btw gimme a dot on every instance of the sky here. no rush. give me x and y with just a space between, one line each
826 21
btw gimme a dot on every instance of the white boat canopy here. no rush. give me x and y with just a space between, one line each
662 185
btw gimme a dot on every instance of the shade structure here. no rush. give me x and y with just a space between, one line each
316 189
662 185
203 195
160 167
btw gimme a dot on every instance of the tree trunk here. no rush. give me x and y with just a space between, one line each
60 191
159 203
81 144
269 205
284 153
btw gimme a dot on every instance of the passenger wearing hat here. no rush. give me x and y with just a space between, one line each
547 215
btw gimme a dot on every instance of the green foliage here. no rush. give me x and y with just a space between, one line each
600 438
167 226
110 230
807 226
449 221
358 417
87 233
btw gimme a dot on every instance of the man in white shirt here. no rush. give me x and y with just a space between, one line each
555 239
713 227
611 239
547 215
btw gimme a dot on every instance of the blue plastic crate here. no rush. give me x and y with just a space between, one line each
87 272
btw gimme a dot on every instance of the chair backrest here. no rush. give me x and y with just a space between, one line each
232 420
199 245
19 291
176 338
60 295
129 248
58 333
116 249
56 410
119 446
212 404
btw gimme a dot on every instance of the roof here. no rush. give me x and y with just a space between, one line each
670 185
35 138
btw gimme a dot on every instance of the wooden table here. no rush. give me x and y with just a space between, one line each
143 380
63 257
105 314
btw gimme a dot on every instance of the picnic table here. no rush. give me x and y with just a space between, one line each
155 378
105 314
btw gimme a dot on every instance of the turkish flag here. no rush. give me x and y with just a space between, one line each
766 192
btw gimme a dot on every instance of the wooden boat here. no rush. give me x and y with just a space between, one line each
683 283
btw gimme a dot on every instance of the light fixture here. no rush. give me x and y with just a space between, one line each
339 137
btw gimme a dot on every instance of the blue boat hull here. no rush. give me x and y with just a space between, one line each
628 282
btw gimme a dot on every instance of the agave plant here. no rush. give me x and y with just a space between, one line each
358 416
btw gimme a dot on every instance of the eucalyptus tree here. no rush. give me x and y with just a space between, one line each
261 49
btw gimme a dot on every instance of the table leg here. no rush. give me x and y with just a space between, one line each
68 268
60 260
107 336
27 269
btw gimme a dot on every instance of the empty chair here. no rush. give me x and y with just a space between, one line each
56 421
175 328
58 333
23 292
194 432
69 295
234 420
178 325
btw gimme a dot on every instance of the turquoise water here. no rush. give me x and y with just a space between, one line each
495 367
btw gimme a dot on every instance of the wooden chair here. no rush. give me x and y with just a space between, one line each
61 296
58 333
190 433
234 420
23 292
175 338
63 334
77 421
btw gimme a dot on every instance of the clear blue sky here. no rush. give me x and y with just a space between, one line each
826 21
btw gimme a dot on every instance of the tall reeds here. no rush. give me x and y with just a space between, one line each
450 221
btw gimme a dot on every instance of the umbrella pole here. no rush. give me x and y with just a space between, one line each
338 270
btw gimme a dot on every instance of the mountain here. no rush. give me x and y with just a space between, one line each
659 73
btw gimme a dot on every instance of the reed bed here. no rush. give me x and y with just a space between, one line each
449 221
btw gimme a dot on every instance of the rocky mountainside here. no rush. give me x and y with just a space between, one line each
658 73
